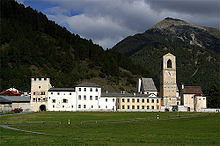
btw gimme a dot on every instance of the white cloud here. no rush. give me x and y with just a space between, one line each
108 21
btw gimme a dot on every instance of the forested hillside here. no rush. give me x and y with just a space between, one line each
33 46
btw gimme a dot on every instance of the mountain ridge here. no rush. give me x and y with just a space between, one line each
196 50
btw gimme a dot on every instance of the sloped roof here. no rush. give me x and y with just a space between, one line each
17 98
87 84
192 90
3 100
10 93
150 84
113 94
62 89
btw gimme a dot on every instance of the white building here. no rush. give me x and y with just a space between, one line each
107 102
88 96
62 99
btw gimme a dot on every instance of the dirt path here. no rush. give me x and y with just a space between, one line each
11 128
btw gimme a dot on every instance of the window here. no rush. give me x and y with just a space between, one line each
138 100
39 87
72 106
84 106
133 100
84 89
79 106
42 93
63 106
51 93
79 89
65 100
147 107
58 93
90 89
142 107
143 100
53 106
152 107
147 100
91 106
169 64
79 97
38 99
106 100
113 100
106 106
49 97
133 107
123 107
128 107
34 99
33 93
44 99
138 107
128 100
158 107
90 97
123 100
203 98
96 97
157 100
84 97
152 100
96 89
70 93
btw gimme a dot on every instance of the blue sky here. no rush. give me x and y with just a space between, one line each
107 22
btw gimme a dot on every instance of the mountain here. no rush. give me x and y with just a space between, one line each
33 46
196 49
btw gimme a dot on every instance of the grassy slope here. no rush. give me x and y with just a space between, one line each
112 128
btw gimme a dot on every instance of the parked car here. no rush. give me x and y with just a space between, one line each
17 110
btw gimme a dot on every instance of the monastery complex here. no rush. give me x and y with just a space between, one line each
152 95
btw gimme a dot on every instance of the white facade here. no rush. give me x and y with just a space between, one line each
87 97
62 99
107 103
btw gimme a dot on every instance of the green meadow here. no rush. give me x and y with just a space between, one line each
111 128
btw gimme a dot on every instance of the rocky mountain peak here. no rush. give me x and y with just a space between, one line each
168 22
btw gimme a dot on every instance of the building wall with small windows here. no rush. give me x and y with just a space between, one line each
62 99
39 93
87 97
137 102
107 103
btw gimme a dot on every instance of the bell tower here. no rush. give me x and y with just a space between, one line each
168 86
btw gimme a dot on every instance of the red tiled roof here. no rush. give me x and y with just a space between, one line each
192 90
10 93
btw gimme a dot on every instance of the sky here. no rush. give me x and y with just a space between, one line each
106 22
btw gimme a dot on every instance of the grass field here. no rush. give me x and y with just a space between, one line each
116 128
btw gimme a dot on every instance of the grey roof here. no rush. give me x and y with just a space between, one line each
113 94
150 84
17 98
87 84
3 100
62 89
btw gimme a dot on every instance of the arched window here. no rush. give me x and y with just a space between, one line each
169 64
